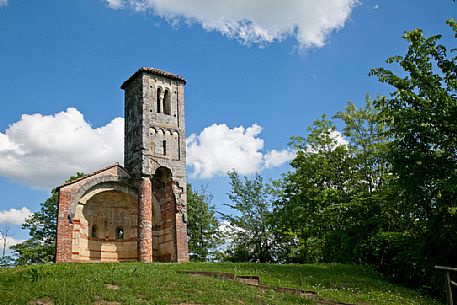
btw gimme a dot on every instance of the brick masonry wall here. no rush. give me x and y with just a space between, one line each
64 228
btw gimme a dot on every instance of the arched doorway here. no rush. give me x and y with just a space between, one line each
164 216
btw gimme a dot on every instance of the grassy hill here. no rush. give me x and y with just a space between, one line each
135 283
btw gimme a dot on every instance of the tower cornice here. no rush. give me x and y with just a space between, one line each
153 71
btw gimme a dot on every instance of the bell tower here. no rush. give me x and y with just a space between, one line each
155 156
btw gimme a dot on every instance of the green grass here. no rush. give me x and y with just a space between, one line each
163 284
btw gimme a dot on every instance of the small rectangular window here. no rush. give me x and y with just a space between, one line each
119 233
93 232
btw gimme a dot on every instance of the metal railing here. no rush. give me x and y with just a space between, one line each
450 284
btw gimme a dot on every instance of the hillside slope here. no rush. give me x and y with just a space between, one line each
135 283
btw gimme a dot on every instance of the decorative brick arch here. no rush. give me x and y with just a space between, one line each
97 185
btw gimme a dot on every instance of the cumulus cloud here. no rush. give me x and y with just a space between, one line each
14 216
278 157
218 149
44 150
338 138
227 229
254 21
3 2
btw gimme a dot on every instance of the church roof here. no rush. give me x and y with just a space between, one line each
92 174
153 71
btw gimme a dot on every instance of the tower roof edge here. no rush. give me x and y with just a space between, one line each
153 71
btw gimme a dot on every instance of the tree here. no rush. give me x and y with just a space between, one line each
370 213
42 226
421 116
252 234
367 143
203 226
326 209
4 234
5 260
310 194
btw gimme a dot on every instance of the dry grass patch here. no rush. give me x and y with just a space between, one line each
45 301
112 286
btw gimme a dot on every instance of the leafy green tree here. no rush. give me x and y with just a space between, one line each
42 226
367 143
388 196
309 194
421 116
329 205
203 227
369 211
250 226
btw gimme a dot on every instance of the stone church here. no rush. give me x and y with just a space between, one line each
137 212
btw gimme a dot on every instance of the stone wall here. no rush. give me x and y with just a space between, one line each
159 145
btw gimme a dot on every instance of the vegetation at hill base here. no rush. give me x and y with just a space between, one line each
137 283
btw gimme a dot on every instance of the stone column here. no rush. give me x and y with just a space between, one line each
145 220
161 102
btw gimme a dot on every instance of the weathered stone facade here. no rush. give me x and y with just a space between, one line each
138 212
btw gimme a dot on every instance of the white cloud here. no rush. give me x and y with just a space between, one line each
227 229
44 150
338 138
254 21
14 216
115 4
3 2
219 149
278 157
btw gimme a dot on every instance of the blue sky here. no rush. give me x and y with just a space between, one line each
264 70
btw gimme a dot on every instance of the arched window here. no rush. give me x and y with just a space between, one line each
119 233
93 232
159 108
167 102
164 147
